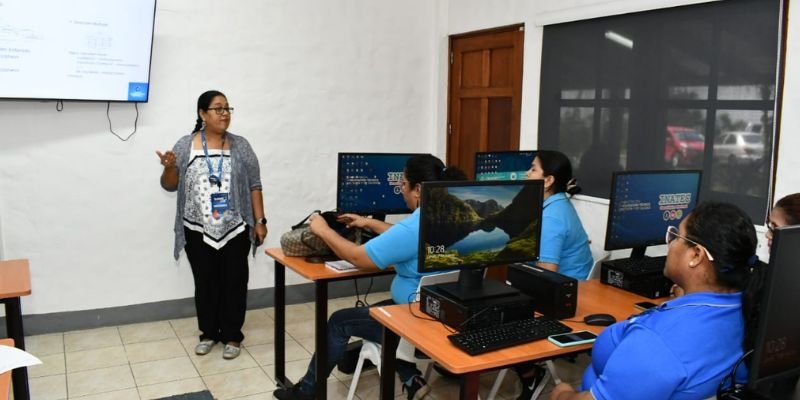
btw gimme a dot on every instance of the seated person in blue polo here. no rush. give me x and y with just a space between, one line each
564 244
683 348
395 245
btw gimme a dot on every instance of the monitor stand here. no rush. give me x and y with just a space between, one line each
472 286
637 253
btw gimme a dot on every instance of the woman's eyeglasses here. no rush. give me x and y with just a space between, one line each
222 110
673 233
770 226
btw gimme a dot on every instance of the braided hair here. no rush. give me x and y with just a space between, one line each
729 235
203 102
557 165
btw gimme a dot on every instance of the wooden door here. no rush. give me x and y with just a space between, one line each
485 94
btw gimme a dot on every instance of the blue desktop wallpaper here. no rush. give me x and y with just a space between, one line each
371 183
644 204
509 166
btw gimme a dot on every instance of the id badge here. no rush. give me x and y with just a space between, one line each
219 205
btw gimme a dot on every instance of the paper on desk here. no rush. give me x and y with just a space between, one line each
12 357
340 266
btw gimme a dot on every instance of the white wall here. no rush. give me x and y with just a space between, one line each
471 15
307 78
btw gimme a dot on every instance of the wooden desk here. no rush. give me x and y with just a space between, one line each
321 276
15 281
5 378
431 337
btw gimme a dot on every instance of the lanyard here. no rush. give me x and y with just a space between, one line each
213 179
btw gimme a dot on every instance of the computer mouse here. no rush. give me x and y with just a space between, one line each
599 319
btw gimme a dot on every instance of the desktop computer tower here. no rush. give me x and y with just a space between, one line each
474 314
556 295
648 282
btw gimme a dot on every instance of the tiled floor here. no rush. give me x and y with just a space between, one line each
156 359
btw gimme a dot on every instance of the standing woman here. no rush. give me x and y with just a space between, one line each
219 218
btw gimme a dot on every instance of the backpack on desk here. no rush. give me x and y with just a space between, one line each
301 242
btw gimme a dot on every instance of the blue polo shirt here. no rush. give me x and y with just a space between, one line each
679 350
399 246
564 241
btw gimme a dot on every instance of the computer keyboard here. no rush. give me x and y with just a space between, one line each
640 265
509 334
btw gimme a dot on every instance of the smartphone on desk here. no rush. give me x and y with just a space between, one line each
644 305
572 338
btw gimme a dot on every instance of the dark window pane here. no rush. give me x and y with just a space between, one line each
605 154
741 152
576 74
684 138
748 56
575 131
617 67
686 59
683 87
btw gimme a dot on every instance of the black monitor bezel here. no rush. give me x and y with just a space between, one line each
612 196
766 299
477 154
375 211
424 192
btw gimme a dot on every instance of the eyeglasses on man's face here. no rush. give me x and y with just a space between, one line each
221 110
673 233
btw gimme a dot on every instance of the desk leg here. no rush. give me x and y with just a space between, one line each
388 358
469 386
19 376
280 325
321 338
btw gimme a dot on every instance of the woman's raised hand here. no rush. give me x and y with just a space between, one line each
168 158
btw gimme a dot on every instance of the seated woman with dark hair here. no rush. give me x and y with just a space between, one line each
683 348
395 245
785 212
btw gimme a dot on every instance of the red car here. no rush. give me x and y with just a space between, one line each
684 147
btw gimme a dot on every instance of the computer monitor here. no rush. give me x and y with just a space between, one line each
503 165
370 183
472 225
777 340
644 203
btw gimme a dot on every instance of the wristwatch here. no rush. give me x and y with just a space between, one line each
262 221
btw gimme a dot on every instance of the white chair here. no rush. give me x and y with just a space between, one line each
405 350
594 273
598 256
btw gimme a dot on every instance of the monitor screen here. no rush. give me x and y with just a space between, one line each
76 50
471 225
644 203
369 183
777 348
503 165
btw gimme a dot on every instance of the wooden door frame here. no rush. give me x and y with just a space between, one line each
516 106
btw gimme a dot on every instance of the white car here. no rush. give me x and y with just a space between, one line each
738 147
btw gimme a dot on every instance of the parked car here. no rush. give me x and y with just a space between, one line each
684 146
735 148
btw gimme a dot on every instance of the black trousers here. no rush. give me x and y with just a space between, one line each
220 285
